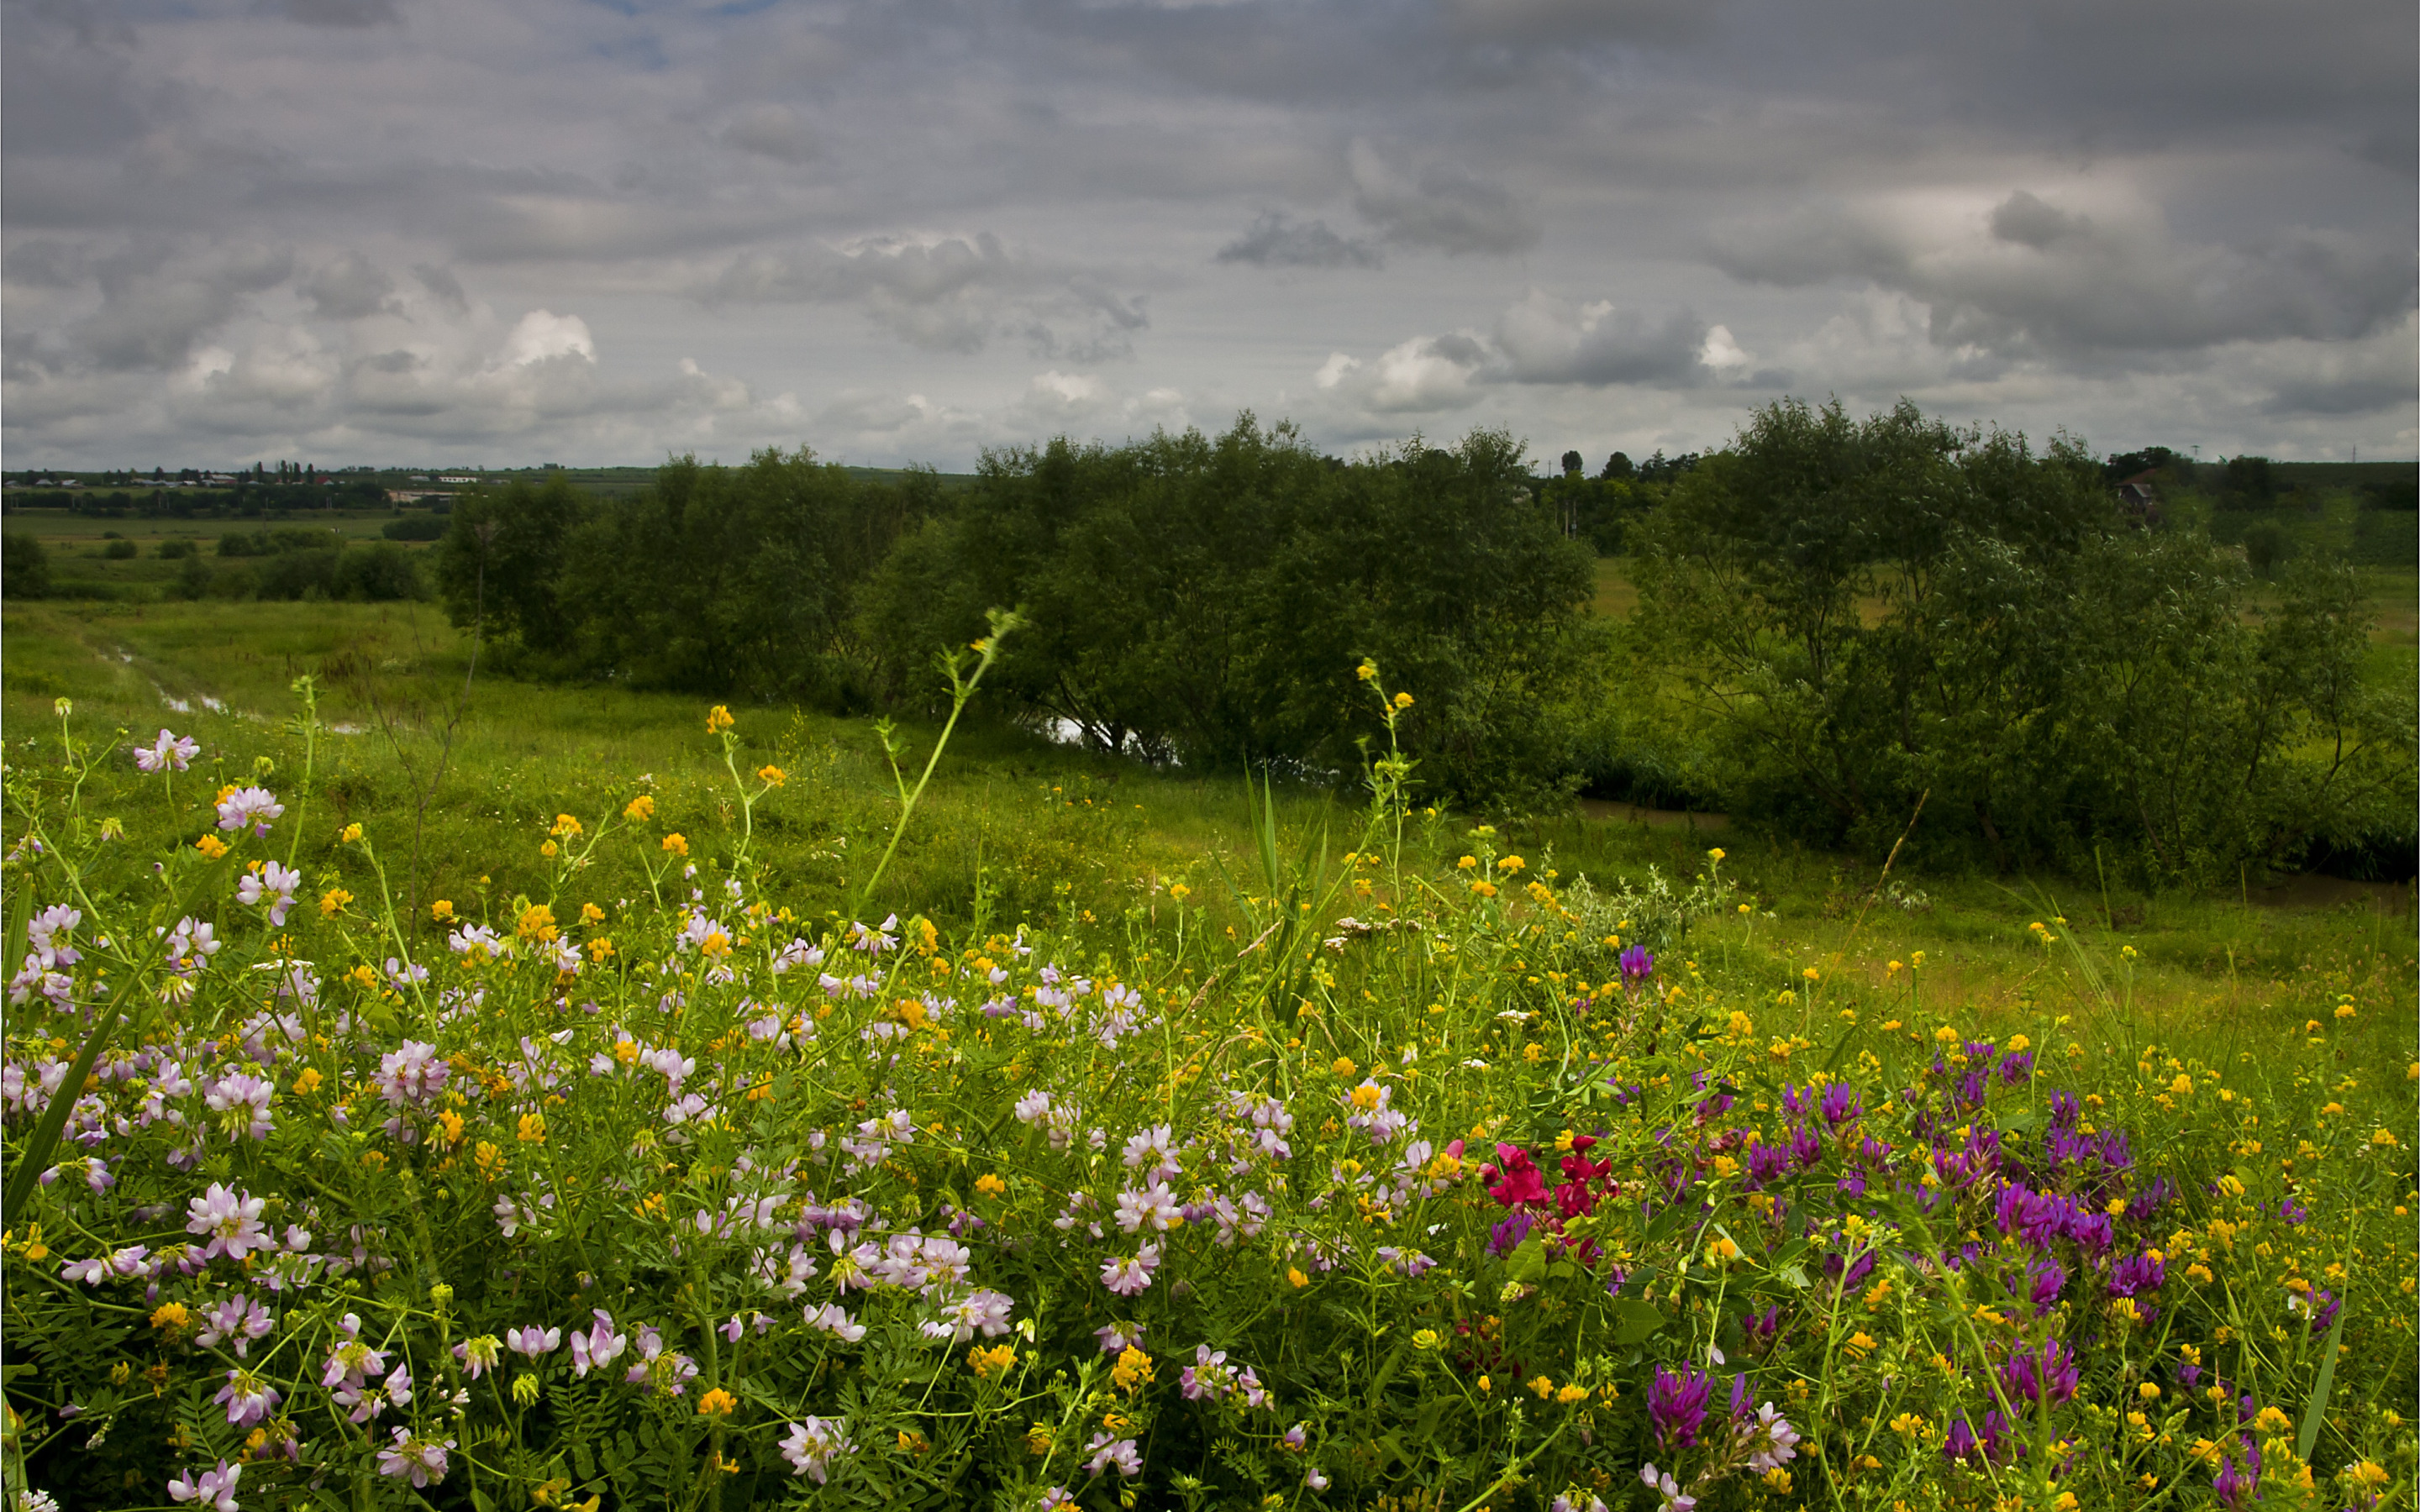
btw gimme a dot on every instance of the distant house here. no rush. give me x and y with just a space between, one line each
457 477
2140 497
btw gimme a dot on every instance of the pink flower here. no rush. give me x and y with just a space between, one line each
1129 1278
231 1222
596 1348
214 1489
246 1398
814 1445
167 752
533 1342
422 1459
253 806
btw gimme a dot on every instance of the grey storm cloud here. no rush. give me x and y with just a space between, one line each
326 225
1276 240
1439 208
2033 275
349 288
155 305
951 294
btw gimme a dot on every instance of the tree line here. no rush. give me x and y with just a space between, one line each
1840 619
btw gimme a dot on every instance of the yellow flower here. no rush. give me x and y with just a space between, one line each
1038 1439
2344 1010
677 844
1859 1344
772 776
1543 1387
565 827
213 847
308 1082
1179 891
1367 671
1427 1338
2271 1421
718 718
441 910
2181 1087
1133 1370
1296 1277
2148 1391
350 834
1403 700
717 1403
333 902
639 810
363 977
600 949
1342 1066
591 914
548 849
168 1317
990 1185
1811 974
536 923
1000 1358
1485 1384
1467 863
1511 863
1569 1395
532 1128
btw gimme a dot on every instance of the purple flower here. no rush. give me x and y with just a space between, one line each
2052 1373
1117 1338
1960 1442
1676 1405
1636 965
2136 1274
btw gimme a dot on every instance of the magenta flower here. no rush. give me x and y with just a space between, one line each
1676 1405
241 1100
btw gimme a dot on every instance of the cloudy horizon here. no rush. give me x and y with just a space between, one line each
595 232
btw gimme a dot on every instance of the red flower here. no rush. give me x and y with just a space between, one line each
1521 1181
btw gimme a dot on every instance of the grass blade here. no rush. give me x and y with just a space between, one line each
2315 1412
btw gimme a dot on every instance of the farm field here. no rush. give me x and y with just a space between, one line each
633 1109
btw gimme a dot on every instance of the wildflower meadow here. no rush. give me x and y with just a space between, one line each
1411 1175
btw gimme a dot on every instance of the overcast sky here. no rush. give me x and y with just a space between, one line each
597 231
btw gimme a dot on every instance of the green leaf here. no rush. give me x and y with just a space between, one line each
2316 1410
1528 1262
1634 1321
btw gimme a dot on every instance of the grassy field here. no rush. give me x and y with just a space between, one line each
1053 834
537 1136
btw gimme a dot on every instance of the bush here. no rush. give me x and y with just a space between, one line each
24 568
120 550
625 1200
416 528
178 546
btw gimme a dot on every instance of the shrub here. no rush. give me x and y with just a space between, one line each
24 568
